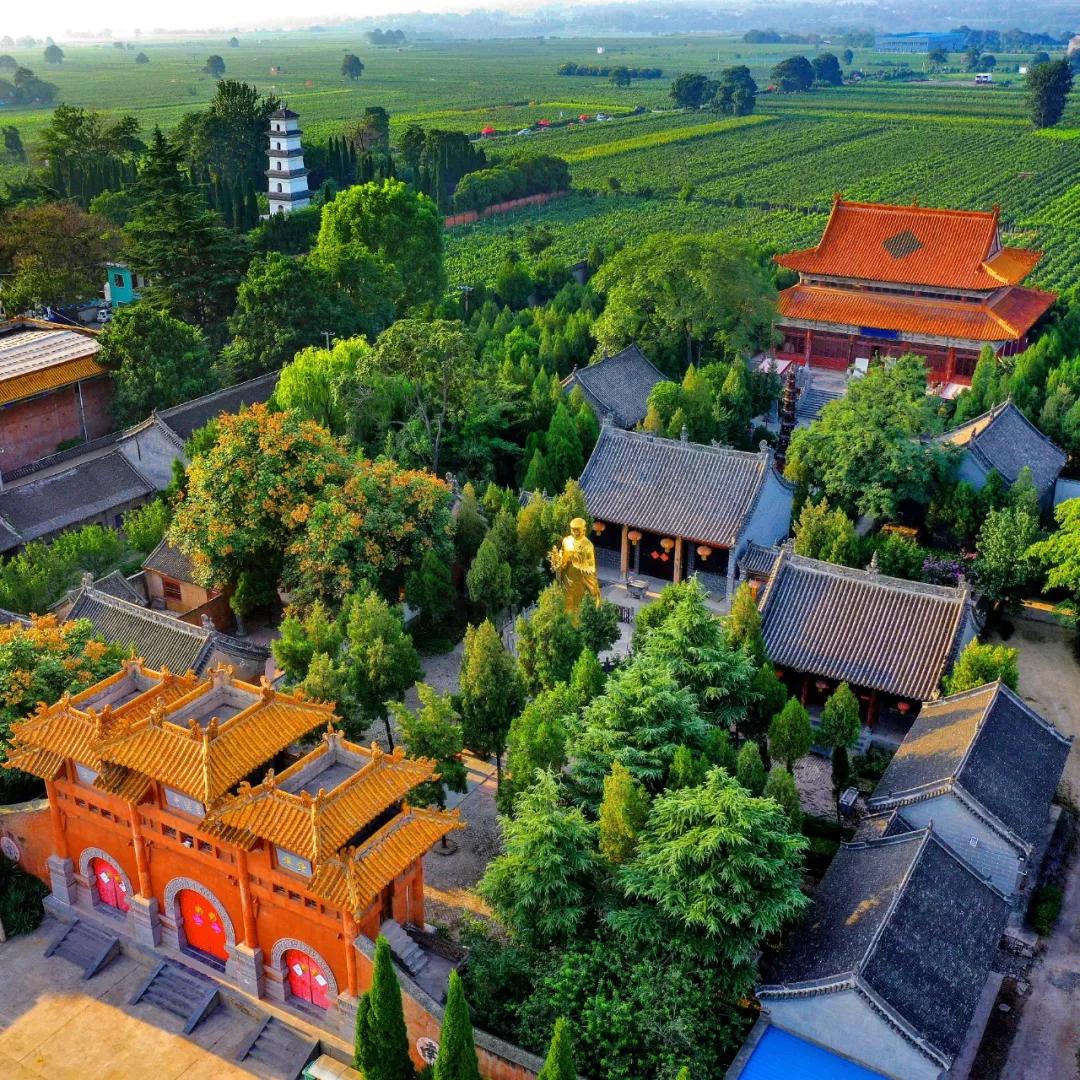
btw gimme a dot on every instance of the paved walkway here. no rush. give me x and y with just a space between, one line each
53 1025
1048 1036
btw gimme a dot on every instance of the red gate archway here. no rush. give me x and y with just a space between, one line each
307 980
109 885
203 926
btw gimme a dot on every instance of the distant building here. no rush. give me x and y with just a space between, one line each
170 584
53 389
1004 441
950 41
887 967
122 284
983 766
890 639
670 507
887 280
618 386
287 175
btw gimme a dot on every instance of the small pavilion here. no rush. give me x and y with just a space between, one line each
668 508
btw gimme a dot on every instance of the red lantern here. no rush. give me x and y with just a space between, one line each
703 551
903 707
598 527
822 685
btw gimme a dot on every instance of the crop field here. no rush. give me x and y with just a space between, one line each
769 177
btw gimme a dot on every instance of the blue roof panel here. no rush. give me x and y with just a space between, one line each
781 1056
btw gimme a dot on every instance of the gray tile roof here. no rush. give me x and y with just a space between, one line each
991 745
46 505
1005 440
170 561
676 488
618 385
907 925
186 418
860 626
9 538
162 641
758 560
116 585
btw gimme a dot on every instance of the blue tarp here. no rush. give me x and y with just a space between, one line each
780 1056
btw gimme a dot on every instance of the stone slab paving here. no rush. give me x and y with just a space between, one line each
55 1025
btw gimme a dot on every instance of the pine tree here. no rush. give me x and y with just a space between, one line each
536 476
586 678
469 525
781 788
750 769
457 1051
565 457
624 809
743 624
791 734
251 209
840 722
382 1042
559 1064
490 579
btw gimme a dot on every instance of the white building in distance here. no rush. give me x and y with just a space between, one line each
287 175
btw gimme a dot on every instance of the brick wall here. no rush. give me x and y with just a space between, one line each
33 428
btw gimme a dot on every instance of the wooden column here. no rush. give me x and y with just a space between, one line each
676 574
804 690
247 901
56 817
950 363
872 709
624 553
807 347
348 925
142 862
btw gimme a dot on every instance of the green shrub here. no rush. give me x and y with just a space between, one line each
1044 908
20 899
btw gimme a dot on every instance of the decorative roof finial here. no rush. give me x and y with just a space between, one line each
873 567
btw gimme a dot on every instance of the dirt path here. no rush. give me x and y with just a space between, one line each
1046 1041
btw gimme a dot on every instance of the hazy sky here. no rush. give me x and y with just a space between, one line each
56 17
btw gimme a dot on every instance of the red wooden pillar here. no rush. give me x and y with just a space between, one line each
56 818
872 709
950 363
804 690
142 862
853 344
348 926
807 347
247 901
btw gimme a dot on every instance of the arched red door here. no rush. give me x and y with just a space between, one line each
109 885
307 980
203 926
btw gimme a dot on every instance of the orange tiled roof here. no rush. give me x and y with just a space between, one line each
50 378
356 877
1007 317
315 826
205 762
916 245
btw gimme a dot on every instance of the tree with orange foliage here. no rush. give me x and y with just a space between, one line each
250 495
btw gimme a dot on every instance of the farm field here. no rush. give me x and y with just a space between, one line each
769 177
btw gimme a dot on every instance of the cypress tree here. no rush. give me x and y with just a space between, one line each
559 1063
457 1052
239 207
382 1043
252 208
225 206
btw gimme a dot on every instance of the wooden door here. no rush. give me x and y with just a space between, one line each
203 926
109 885
307 981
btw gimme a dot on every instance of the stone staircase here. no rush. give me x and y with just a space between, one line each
275 1050
179 992
86 946
812 400
411 957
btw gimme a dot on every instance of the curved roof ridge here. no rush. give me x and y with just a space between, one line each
874 577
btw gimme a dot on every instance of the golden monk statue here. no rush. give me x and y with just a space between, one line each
574 563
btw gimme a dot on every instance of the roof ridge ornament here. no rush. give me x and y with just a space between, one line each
872 567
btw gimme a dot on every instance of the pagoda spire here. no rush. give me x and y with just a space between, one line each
787 416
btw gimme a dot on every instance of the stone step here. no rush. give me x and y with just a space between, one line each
183 994
85 945
409 954
276 1050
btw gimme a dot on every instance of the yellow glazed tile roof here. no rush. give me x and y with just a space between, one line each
315 826
51 378
355 878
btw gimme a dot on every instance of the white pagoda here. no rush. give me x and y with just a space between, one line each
287 175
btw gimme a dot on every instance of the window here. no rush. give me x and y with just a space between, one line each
277 146
85 774
208 848
168 830
119 280
171 589
290 861
279 187
184 803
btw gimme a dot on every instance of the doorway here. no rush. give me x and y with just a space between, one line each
204 930
307 980
109 886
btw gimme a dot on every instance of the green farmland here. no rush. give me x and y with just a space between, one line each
770 177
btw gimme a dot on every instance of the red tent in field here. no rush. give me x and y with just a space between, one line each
583 117
489 130
543 123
